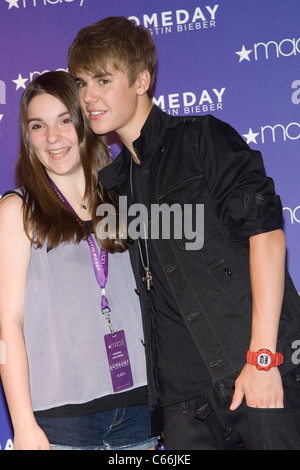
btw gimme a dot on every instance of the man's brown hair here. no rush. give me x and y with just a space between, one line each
114 41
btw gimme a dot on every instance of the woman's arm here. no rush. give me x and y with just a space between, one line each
15 251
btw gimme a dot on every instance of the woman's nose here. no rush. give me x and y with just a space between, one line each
53 135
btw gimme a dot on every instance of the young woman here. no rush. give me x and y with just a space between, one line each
74 375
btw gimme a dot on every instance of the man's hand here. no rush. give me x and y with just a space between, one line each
261 389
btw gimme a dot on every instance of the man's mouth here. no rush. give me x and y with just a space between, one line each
95 114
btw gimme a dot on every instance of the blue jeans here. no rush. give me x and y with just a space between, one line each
119 429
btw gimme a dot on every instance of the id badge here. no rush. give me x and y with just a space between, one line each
118 361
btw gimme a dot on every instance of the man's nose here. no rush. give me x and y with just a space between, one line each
90 94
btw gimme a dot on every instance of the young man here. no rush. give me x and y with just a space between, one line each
203 307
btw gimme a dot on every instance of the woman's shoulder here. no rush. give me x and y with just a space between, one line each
11 204
11 223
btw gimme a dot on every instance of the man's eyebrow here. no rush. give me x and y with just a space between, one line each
96 76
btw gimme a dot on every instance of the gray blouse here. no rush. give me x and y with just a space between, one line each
64 327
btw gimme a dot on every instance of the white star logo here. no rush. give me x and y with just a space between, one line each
12 3
1 116
251 136
244 54
20 82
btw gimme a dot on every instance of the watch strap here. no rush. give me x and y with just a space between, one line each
264 359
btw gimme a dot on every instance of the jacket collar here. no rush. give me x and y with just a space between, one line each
150 137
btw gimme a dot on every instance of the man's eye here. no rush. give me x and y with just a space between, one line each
80 84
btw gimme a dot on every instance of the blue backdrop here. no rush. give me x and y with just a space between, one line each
238 60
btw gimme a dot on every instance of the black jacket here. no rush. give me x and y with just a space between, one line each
201 160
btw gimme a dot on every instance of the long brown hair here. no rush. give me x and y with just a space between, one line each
46 218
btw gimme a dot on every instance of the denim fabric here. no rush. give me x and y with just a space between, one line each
119 429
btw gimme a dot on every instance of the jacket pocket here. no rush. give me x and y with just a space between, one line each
234 281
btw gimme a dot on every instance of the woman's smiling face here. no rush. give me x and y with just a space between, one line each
53 134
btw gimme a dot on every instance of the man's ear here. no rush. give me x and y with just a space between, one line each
143 82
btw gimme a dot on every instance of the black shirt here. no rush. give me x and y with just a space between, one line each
181 372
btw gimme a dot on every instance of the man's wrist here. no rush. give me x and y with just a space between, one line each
264 359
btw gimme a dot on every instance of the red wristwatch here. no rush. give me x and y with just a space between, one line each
264 359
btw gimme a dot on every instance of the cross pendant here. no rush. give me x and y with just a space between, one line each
147 279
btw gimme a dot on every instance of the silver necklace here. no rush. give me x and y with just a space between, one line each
147 278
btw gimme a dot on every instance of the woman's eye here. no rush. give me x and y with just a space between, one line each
36 127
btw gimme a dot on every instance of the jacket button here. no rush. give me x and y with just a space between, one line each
171 268
216 363
203 412
192 315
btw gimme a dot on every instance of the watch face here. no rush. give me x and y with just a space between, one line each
264 360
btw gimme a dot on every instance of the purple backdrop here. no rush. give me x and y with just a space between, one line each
238 60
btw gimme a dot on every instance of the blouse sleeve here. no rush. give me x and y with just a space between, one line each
243 196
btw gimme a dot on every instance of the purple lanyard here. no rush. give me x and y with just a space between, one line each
100 262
